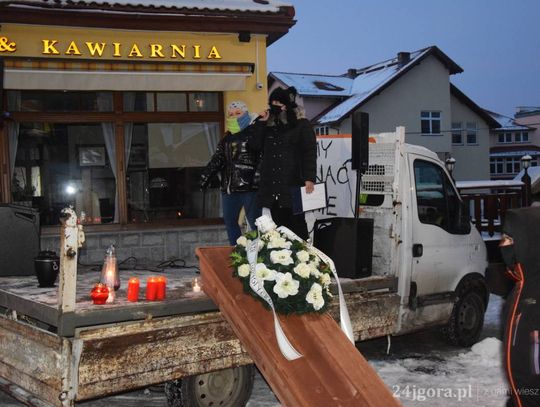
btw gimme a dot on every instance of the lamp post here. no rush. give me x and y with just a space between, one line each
450 164
526 179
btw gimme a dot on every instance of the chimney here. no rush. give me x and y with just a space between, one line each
352 73
403 58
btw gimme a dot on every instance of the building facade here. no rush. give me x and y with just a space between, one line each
515 138
411 90
104 111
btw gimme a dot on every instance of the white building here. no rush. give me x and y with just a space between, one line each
412 90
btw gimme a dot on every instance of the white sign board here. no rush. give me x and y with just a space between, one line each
334 168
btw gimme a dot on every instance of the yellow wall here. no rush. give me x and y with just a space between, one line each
30 40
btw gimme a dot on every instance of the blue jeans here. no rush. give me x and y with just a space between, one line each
232 204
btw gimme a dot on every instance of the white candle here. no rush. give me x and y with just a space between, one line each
196 286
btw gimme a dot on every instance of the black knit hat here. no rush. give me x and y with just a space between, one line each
285 96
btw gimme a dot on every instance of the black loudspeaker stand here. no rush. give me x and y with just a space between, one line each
360 141
19 239
349 242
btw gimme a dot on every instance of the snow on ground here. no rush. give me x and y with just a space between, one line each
472 378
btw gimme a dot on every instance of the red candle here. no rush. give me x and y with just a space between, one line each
133 289
151 289
99 294
161 286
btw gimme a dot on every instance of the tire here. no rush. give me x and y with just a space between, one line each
223 388
467 318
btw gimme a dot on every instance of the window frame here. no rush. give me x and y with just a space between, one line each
469 130
457 130
119 117
446 185
431 118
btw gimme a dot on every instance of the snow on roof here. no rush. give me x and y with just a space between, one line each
316 85
228 5
365 83
369 81
520 153
507 123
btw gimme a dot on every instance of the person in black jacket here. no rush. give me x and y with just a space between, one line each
237 165
519 249
289 148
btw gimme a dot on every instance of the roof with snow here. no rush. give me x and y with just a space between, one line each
272 18
527 111
264 6
316 85
506 123
359 85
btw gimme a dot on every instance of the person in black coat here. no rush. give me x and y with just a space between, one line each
289 149
237 166
519 249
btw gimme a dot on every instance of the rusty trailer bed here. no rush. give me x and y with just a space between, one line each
99 350
22 295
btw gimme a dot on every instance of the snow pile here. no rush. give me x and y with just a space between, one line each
473 378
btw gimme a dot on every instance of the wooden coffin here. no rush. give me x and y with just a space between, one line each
331 372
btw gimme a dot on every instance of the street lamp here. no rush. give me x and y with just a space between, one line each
526 179
450 164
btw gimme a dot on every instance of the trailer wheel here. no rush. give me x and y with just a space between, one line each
223 388
467 318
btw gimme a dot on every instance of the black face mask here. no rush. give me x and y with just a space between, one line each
275 110
508 255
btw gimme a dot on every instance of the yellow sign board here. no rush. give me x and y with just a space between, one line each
89 43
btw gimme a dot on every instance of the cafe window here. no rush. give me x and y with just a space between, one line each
57 165
171 102
57 101
164 169
60 155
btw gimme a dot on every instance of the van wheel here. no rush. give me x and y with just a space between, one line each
223 388
467 318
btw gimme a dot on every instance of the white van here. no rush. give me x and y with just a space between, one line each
422 233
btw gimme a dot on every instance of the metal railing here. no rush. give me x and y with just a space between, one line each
488 201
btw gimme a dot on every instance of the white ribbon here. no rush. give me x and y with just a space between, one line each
257 285
344 318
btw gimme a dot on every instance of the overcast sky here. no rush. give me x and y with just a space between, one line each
496 42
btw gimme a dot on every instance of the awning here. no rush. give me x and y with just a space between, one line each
35 79
47 74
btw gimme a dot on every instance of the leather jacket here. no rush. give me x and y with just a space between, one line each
237 164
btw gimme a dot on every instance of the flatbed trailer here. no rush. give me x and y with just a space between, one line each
99 350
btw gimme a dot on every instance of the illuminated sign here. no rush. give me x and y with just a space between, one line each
118 49
134 50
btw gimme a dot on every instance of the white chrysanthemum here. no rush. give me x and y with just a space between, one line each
281 257
303 270
303 256
271 234
242 241
265 224
315 296
278 242
316 259
286 285
260 244
325 279
243 270
314 269
264 273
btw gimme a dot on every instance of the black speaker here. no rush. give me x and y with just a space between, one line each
360 141
347 241
19 239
